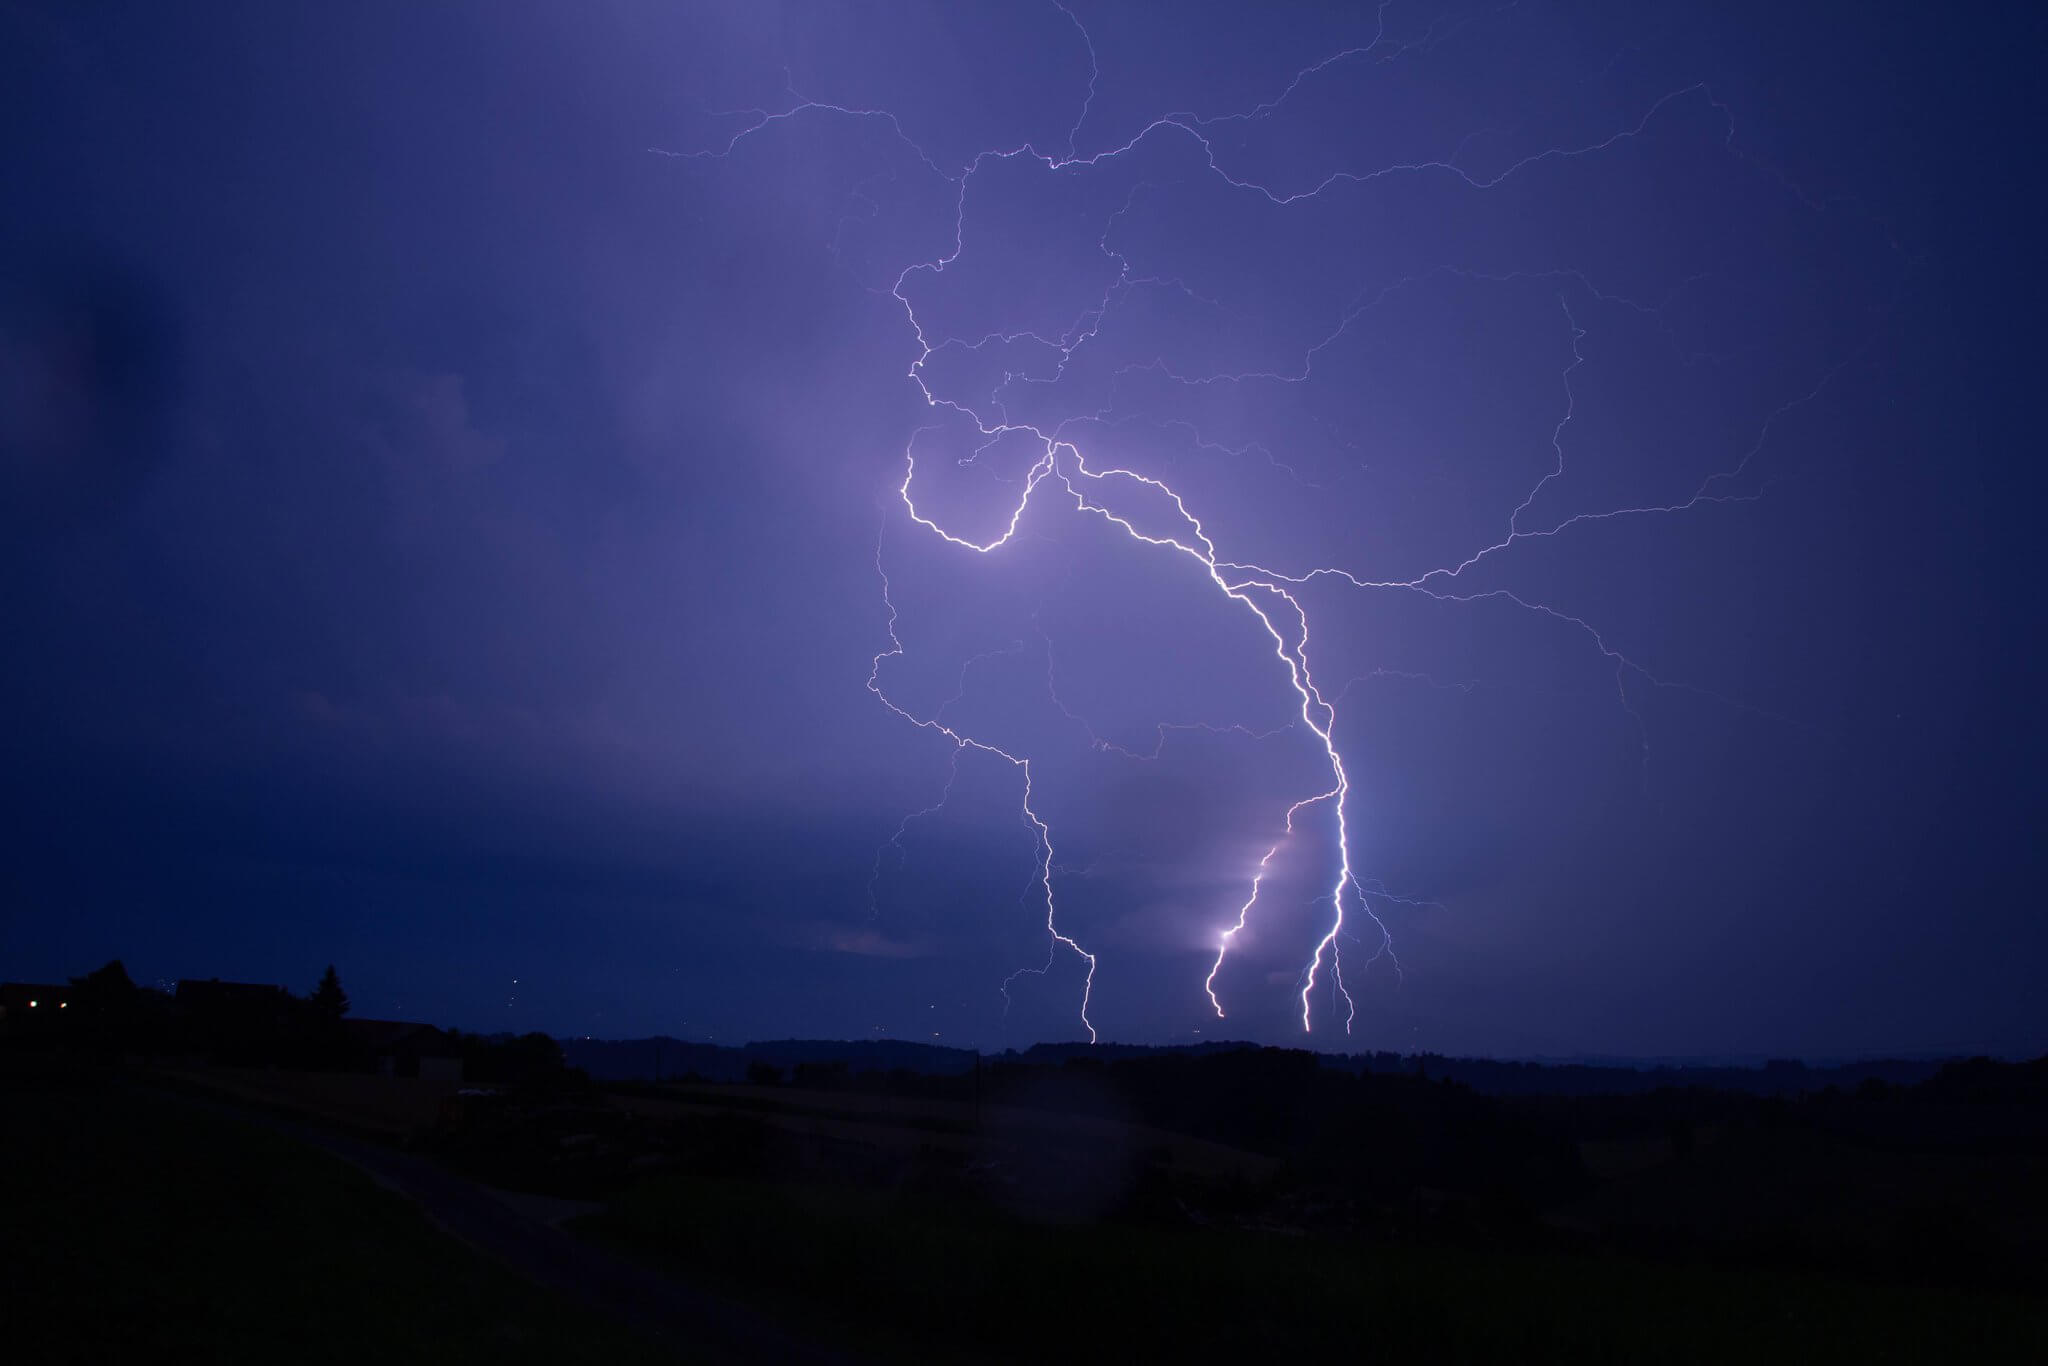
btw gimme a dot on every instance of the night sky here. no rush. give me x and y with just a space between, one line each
452 455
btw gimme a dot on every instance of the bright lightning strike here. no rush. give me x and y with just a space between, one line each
1091 488
963 742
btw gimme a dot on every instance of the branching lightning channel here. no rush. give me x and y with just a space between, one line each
1274 597
961 742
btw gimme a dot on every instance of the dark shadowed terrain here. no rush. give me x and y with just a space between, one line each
140 1227
751 573
167 1188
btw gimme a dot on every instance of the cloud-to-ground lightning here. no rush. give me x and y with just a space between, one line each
1090 485
961 742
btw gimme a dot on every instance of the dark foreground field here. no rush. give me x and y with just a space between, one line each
140 1227
141 1224
901 1280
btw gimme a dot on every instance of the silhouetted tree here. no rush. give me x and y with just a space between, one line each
328 1000
105 988
107 1005
320 1041
532 1062
821 1076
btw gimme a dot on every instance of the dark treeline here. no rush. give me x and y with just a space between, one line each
664 1057
1943 1179
1921 1172
105 1015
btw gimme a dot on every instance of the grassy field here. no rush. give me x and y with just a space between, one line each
139 1225
140 1228
392 1107
900 1122
906 1281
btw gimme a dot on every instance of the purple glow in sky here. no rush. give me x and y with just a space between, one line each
1047 300
1474 527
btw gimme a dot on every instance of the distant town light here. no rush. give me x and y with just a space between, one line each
31 1005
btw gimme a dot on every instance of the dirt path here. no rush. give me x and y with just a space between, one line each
520 1233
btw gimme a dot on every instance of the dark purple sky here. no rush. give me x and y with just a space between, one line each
448 456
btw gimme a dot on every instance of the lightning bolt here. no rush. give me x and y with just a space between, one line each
1273 596
960 742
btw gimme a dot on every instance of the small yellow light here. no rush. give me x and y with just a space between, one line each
63 1005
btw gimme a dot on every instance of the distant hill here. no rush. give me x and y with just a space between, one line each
1778 1078
639 1059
